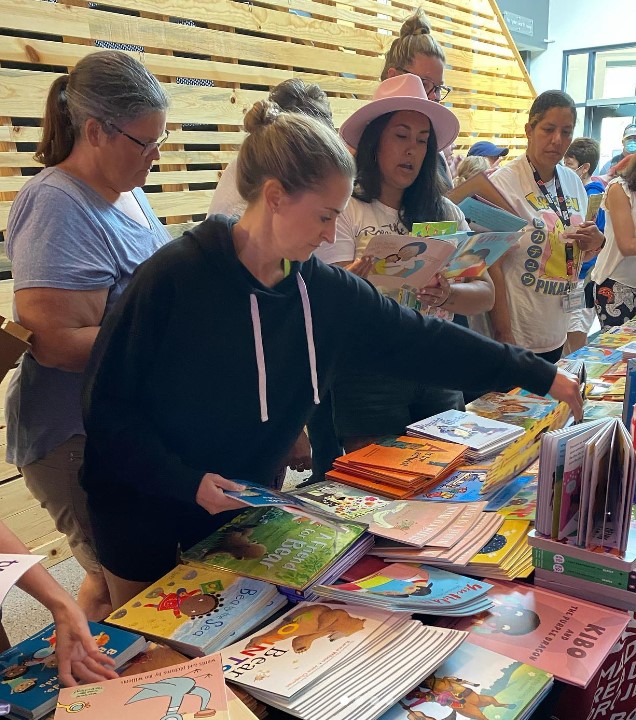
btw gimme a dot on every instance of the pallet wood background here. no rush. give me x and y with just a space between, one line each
215 58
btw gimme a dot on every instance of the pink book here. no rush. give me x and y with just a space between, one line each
565 636
194 689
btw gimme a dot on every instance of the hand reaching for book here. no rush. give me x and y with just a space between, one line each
436 294
362 266
210 495
567 389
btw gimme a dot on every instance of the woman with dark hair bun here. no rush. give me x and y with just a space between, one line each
75 235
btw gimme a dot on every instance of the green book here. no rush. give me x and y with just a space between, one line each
575 567
271 544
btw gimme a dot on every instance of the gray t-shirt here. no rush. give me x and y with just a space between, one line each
63 234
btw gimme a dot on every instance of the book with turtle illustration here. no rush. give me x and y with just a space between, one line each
271 544
189 691
197 610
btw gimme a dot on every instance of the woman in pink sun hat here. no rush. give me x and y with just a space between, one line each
397 137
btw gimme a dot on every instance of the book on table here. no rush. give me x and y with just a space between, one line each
29 669
319 653
198 610
476 683
194 689
288 550
567 637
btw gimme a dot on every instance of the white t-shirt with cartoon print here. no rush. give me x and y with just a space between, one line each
360 221
534 271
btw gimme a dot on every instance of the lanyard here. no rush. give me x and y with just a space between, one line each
561 211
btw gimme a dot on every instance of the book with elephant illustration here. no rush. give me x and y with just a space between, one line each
315 655
198 611
190 690
475 683
271 544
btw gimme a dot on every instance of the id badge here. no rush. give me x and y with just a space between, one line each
574 300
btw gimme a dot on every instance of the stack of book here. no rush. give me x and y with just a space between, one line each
338 662
476 683
397 467
198 611
404 588
586 484
482 436
29 669
600 574
193 689
552 632
410 522
289 550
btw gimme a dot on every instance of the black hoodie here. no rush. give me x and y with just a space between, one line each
178 385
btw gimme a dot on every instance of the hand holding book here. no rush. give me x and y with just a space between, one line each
566 388
210 495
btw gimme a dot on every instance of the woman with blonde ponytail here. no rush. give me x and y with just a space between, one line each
76 232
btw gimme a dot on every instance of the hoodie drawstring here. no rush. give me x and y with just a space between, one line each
260 355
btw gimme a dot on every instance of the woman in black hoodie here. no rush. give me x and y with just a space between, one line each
226 338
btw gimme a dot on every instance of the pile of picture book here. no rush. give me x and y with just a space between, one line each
584 504
398 467
29 683
194 689
292 550
324 661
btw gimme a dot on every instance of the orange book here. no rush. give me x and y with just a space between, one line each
371 485
428 460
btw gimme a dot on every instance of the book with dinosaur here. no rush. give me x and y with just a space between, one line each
192 691
561 635
319 653
197 610
271 544
476 684
28 671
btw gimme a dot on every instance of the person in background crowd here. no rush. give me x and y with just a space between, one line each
209 366
76 233
316 452
629 148
493 153
614 275
452 161
397 136
78 657
582 156
470 167
532 279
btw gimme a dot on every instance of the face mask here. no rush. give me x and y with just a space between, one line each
630 146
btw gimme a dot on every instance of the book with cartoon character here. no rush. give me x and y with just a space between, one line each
404 588
189 691
562 635
198 611
515 409
476 683
478 251
270 544
28 671
319 653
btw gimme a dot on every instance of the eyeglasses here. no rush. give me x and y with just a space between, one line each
149 147
430 88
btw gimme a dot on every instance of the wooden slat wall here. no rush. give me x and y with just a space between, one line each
238 51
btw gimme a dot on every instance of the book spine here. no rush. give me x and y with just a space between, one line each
592 572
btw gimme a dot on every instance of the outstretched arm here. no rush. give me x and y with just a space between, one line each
77 653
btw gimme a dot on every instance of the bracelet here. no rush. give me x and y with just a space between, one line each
450 290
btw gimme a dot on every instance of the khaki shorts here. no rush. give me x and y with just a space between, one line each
54 483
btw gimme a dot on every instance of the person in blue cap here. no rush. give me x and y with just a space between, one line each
489 150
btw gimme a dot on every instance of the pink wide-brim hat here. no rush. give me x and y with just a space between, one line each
402 92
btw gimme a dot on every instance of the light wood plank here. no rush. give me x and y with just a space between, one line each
55 546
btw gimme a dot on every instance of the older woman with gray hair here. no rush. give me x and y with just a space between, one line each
76 232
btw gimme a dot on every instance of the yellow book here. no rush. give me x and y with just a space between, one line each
503 544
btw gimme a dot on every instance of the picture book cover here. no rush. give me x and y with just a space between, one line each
428 458
475 684
478 251
502 496
28 671
565 636
403 260
461 427
425 589
194 608
342 500
464 485
597 354
612 340
490 217
12 568
503 543
189 691
434 228
518 410
522 505
598 409
273 545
